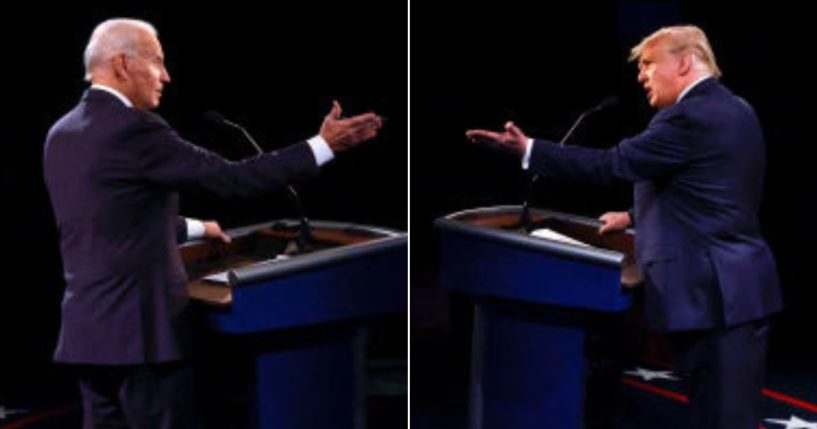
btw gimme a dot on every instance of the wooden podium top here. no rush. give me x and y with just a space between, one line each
264 251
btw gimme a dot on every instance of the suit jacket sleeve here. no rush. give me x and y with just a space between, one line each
656 152
160 156
181 230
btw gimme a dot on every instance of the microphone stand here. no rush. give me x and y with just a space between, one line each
525 218
304 240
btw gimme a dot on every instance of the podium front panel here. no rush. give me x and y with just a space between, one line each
486 252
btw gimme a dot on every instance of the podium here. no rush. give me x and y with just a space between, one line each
295 319
533 297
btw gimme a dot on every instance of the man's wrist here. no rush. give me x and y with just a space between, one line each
320 149
195 228
526 153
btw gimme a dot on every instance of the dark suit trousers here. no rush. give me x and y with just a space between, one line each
726 370
156 396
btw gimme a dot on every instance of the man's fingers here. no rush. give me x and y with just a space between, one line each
365 119
476 135
605 218
336 110
514 130
370 132
613 221
354 135
361 129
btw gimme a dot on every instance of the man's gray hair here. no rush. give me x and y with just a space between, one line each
118 35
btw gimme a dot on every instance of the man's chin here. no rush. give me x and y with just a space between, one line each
656 104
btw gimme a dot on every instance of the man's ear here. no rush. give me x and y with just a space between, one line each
685 64
119 64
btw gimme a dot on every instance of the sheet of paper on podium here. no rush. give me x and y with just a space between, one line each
555 236
218 277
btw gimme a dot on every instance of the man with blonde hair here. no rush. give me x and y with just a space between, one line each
710 279
113 171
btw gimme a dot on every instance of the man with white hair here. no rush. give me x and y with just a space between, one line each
113 171
710 279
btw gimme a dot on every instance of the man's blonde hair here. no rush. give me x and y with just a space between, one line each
681 39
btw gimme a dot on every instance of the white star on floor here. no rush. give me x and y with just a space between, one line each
794 422
6 413
648 375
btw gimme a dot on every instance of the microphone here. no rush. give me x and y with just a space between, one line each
304 239
607 103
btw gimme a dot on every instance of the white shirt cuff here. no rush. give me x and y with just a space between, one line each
526 158
323 153
195 228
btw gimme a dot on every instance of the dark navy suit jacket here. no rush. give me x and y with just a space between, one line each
698 173
113 174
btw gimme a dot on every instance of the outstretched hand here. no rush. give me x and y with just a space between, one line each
345 133
512 140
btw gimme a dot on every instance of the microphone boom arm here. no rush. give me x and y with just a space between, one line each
304 239
525 220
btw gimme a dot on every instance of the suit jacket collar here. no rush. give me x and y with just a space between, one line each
703 87
98 95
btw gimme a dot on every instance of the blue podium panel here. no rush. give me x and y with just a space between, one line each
527 368
315 384
299 313
478 266
532 295
358 287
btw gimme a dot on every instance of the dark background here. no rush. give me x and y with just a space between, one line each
273 68
541 65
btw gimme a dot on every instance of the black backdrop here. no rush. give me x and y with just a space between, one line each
275 68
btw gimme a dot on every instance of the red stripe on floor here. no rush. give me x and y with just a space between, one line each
681 398
799 403
650 388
